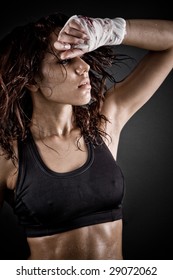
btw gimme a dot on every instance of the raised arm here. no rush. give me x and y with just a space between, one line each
124 99
155 36
82 34
150 34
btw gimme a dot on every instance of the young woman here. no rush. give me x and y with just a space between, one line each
60 125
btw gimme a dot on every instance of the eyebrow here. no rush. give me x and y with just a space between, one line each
52 54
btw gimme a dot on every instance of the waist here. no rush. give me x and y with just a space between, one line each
100 241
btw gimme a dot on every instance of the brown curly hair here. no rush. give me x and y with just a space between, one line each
21 53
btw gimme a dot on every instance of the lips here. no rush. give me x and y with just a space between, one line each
85 83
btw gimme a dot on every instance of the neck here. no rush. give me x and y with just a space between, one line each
51 122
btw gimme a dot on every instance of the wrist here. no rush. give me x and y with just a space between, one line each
118 30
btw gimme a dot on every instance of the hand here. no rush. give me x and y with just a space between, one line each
70 39
83 34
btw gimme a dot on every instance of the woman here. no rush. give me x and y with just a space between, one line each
60 127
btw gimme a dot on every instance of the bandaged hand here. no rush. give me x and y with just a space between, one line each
88 34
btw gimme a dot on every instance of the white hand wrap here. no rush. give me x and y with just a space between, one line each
100 31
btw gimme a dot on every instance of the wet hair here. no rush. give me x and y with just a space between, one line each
21 54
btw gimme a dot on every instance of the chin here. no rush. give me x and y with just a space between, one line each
83 101
86 102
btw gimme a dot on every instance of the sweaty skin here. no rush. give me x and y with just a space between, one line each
96 242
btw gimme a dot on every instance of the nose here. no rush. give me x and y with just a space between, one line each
81 67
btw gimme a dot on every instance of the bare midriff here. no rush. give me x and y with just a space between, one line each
95 242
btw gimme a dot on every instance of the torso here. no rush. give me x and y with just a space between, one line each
96 242
100 241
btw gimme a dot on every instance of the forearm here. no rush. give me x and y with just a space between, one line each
149 34
89 34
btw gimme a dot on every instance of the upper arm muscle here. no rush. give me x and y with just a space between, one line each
124 99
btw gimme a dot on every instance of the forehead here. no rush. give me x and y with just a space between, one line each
52 51
51 56
54 35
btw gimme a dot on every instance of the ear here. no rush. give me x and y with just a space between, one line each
32 87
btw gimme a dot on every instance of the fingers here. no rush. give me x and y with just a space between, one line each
70 53
73 32
61 46
72 39
75 24
72 36
73 28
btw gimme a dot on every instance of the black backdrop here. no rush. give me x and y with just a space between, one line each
145 151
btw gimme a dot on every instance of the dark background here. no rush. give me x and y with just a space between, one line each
145 150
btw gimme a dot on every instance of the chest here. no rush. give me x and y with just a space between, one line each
61 155
47 195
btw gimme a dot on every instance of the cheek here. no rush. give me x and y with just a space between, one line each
54 80
54 74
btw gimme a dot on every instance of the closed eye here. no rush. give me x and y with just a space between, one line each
64 61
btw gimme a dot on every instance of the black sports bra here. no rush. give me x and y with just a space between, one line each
48 202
